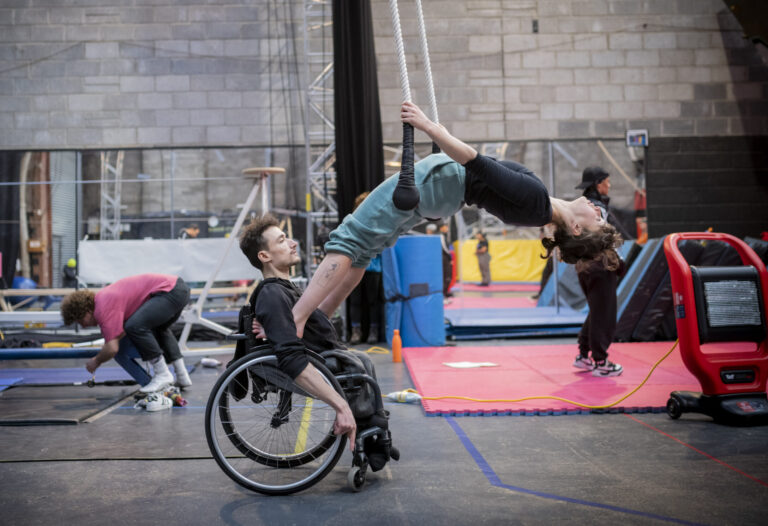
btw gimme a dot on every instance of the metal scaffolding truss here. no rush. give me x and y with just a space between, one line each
319 127
111 185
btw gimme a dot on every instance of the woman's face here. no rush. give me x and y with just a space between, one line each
586 215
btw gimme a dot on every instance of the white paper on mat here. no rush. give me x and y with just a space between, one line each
469 365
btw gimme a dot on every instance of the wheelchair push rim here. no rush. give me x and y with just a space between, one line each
261 447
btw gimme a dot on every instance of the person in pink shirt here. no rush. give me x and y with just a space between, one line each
143 308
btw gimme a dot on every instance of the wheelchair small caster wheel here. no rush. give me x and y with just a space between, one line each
673 409
356 478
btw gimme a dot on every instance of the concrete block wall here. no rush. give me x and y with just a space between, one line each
594 68
167 73
148 73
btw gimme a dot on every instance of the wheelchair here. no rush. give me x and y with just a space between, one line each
270 436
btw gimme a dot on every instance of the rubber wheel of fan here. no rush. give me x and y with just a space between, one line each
673 409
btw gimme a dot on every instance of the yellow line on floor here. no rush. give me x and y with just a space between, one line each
301 438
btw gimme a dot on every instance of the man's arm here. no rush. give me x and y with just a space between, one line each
107 352
312 381
273 311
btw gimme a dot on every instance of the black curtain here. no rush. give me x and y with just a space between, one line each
359 153
9 215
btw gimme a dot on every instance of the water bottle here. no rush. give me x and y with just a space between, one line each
397 347
407 396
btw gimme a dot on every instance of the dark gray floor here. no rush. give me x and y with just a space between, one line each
132 467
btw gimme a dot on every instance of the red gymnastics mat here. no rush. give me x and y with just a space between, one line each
493 302
544 370
496 287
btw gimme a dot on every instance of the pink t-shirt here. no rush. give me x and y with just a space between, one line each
116 303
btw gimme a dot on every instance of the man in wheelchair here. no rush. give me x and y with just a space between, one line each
268 248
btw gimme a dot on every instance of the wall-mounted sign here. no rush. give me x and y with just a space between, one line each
637 137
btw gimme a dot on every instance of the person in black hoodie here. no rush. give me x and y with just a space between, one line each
598 279
268 248
596 184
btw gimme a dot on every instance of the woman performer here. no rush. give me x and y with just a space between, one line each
446 181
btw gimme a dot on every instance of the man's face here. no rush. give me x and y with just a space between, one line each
88 320
604 186
281 251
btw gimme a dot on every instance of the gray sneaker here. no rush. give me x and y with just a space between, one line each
584 363
607 368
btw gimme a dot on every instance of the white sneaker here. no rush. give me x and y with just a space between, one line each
162 379
607 368
584 363
182 376
158 402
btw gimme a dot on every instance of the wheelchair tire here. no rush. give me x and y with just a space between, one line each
269 447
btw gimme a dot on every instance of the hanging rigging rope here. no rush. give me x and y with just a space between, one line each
427 69
406 195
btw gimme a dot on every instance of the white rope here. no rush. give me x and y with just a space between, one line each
427 65
404 84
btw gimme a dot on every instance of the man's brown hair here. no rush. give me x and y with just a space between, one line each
76 305
252 238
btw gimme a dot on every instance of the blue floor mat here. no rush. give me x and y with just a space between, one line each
5 383
518 322
65 375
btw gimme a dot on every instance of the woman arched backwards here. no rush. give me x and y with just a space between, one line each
446 181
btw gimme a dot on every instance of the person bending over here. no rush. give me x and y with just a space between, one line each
268 249
446 181
143 308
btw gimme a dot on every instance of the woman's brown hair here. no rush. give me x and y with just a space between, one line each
582 250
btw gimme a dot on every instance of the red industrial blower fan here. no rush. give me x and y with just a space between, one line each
720 315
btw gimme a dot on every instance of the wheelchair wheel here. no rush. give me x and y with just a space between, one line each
265 432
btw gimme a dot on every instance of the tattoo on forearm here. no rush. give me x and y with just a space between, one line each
326 278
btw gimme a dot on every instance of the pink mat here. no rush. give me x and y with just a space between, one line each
497 287
544 370
492 302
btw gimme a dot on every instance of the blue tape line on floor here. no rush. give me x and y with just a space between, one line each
494 479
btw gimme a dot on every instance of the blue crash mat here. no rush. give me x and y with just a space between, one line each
519 322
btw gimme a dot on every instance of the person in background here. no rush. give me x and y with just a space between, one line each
596 184
367 300
483 259
189 232
447 260
598 280
141 308
69 274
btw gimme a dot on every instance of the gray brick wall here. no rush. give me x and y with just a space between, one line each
594 69
161 73
96 73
